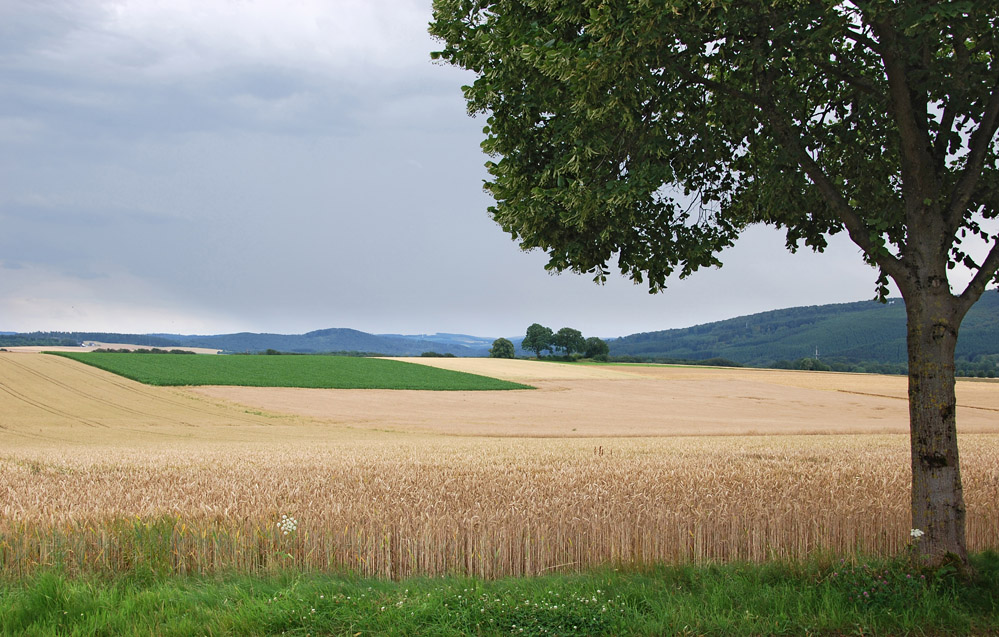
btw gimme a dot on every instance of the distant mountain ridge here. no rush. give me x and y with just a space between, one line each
318 341
332 340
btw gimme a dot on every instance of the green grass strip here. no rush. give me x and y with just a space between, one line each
730 600
328 372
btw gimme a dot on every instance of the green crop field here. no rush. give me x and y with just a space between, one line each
328 372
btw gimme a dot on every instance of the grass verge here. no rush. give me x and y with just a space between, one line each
879 598
327 372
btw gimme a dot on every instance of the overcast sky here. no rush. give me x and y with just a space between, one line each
210 166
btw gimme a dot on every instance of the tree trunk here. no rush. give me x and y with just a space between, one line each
937 498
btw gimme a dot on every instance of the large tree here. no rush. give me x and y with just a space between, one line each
654 131
596 348
569 340
538 338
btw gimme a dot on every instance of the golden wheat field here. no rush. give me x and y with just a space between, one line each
598 466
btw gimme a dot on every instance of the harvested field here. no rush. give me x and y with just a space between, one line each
50 401
101 474
594 401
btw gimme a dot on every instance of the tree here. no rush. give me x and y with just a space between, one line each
538 338
656 132
569 340
502 348
595 348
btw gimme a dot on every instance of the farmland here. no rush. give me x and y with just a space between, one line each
328 372
598 466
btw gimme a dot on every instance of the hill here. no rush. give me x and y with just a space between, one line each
70 339
327 340
332 340
866 334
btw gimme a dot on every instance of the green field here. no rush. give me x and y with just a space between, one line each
326 372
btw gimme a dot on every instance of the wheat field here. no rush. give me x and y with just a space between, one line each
99 474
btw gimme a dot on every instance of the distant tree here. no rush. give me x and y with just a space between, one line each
538 338
812 364
718 361
595 348
569 340
502 348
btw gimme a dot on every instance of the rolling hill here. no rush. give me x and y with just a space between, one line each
845 333
332 340
318 341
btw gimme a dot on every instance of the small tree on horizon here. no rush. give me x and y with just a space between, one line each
502 348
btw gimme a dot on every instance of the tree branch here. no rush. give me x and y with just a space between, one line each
863 40
856 229
855 226
981 141
718 87
985 274
919 179
940 146
963 58
858 82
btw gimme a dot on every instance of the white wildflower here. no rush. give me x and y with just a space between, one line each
288 524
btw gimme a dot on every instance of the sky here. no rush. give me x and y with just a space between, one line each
216 166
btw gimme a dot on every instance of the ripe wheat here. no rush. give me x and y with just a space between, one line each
410 504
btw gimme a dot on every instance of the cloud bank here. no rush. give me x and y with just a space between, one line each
192 166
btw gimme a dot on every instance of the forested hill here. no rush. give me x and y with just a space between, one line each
854 334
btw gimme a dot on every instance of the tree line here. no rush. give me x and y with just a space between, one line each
565 343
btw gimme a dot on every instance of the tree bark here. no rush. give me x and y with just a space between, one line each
934 317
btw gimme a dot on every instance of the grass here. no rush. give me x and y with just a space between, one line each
736 599
327 372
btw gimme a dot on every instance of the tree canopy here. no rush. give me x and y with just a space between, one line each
502 348
569 340
538 338
653 133
817 117
596 348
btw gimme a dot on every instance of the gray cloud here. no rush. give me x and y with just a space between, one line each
193 167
